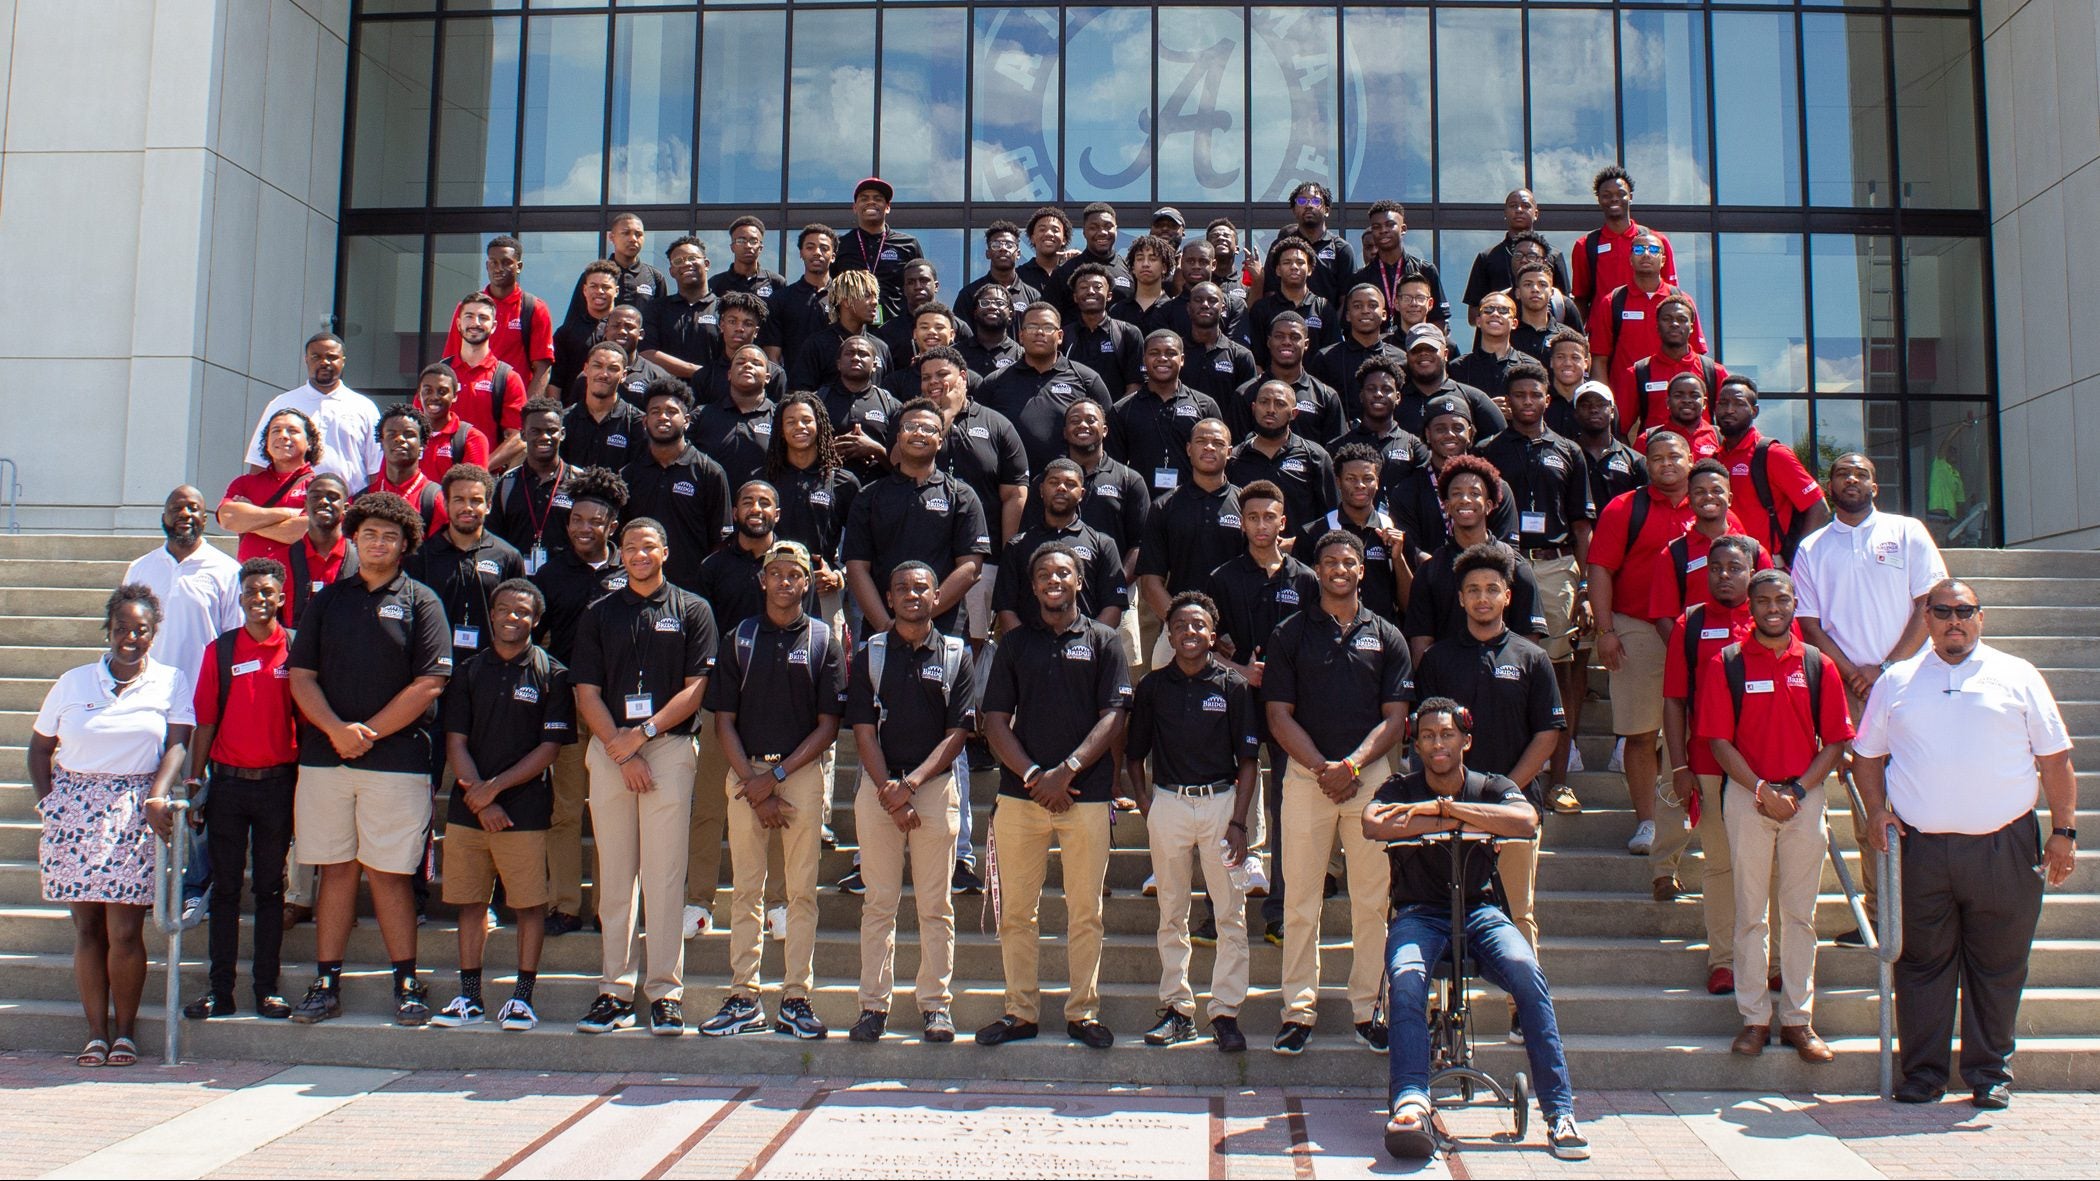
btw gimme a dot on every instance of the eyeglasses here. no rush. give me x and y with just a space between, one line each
1959 611
1496 310
1645 250
1307 202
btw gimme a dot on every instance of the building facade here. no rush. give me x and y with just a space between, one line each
1870 202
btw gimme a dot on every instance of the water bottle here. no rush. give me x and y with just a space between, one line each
1238 873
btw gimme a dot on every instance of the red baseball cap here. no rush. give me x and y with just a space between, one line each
879 185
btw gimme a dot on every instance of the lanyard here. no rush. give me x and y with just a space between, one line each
881 244
1390 284
539 519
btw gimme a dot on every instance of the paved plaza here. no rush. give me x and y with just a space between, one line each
256 1119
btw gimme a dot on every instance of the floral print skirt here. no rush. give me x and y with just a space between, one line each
96 846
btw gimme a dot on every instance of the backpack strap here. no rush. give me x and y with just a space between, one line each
459 438
878 659
1761 483
222 656
427 502
1812 672
1694 621
1709 374
302 576
1732 667
1589 252
1681 562
1618 313
1640 506
1641 369
499 393
815 637
746 640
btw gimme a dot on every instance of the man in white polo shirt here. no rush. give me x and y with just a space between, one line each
348 421
1951 747
1861 583
198 584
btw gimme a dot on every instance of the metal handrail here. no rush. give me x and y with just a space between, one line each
1887 942
11 490
170 862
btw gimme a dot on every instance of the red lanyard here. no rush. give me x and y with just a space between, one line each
539 519
881 244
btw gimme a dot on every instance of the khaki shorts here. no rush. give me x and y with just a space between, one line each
1637 688
376 818
476 857
1556 579
977 603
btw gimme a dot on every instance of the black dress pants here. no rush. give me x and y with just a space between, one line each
244 819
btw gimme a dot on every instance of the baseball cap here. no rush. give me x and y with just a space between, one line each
1596 388
1171 213
788 551
1424 334
1448 404
889 193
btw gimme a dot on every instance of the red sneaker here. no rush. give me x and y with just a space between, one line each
1720 981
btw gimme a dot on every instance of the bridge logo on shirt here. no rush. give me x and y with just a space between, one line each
709 318
683 487
487 566
1085 552
1109 490
616 582
1288 594
1079 650
762 290
1308 406
798 656
1741 469
1375 553
762 427
1214 704
1368 642
526 694
1108 346
1553 460
930 672
667 623
515 325
1508 672
1228 520
1295 467
1313 322
979 432
889 254
877 416
1798 679
1188 409
645 289
1001 362
394 611
1065 387
444 449
561 500
1223 364
821 497
938 504
1618 463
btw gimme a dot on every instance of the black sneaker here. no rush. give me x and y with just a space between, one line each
1567 1141
1008 1028
559 923
666 1018
940 1027
1334 887
1852 938
321 1003
1226 1032
869 1028
1373 1034
965 880
799 1020
1274 932
738 1014
412 1003
1292 1036
607 1013
1205 934
851 884
1090 1033
1174 1028
209 1006
1516 1030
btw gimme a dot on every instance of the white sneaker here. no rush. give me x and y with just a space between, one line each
1643 839
1257 877
459 1011
777 923
698 921
1151 886
1574 758
494 923
1618 756
194 912
516 1016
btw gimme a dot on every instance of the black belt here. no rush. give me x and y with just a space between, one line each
1198 790
280 771
1549 552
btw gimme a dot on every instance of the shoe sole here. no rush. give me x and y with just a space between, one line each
801 1034
1416 1145
1289 1051
411 1020
626 1022
667 1030
1560 1153
753 1025
515 1026
443 1022
314 1018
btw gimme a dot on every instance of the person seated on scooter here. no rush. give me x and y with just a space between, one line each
1440 795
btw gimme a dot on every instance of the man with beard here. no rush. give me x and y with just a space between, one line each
198 585
797 310
676 485
1002 255
522 328
1417 501
1277 453
1331 260
463 562
1195 268
1428 381
1686 401
863 414
1290 343
347 421
855 299
1156 419
1097 224
1217 363
988 347
684 333
1033 395
876 248
603 429
1112 348
489 392
1778 500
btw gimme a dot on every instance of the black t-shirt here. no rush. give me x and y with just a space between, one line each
816 362
614 441
638 652
1550 479
735 439
918 706
1509 685
1056 685
531 513
984 451
1154 433
1319 407
1422 871
897 519
690 497
1252 602
507 708
1301 468
689 330
1115 349
780 685
1100 568
1413 411
570 585
885 253
1194 729
1433 608
1344 677
366 646
814 505
794 313
465 581
1034 402
1189 533
1219 369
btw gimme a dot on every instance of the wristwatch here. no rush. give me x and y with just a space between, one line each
780 773
648 729
1073 764
2069 834
1791 787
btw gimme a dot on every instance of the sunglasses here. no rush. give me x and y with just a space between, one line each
1307 202
1961 611
1645 250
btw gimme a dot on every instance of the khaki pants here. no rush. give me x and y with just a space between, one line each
1795 849
703 859
1518 863
1022 831
803 792
641 849
1717 892
1557 578
1311 822
572 793
1179 826
882 850
1869 865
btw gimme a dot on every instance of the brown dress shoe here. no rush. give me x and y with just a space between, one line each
1751 1042
1667 889
1805 1042
294 914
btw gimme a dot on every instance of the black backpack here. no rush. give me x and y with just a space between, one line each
1707 372
1811 668
1681 561
1786 542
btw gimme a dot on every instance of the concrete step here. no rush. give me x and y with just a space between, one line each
91 546
64 631
81 573
2010 591
84 602
2041 621
2022 563
44 662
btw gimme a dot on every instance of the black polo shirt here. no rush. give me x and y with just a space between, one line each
761 283
1100 571
1433 609
814 504
1018 296
1343 676
1189 533
1031 272
572 342
1494 270
873 410
1387 277
1322 323
570 585
1413 411
885 253
531 513
640 285
918 706
1421 873
1562 313
897 520
781 685
1116 503
1302 469
729 583
1338 362
983 361
1154 432
1486 372
711 385
1334 260
689 330
896 333
816 362
1507 682
1058 289
375 643
1251 601
614 441
1035 401
631 647
984 451
1195 729
1320 413
1380 587
1619 470
465 580
690 497
1219 369
1114 349
1419 512
1055 686
507 708
1550 478
1146 320
794 313
634 387
1403 452
737 440
1560 418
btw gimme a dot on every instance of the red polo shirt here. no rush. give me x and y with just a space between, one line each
1793 489
321 569
476 403
438 456
1705 440
1614 264
1643 584
412 492
1632 337
513 341
1696 547
258 730
258 488
1653 398
1776 734
1721 627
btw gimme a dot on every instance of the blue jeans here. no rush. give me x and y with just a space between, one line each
965 849
1418 940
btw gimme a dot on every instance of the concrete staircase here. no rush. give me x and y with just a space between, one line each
1628 973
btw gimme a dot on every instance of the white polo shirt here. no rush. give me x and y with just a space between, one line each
102 733
349 426
200 597
1962 739
1860 581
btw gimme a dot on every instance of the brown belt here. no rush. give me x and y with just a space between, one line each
280 771
1549 552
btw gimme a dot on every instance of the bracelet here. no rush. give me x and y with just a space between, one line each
1241 825
1680 767
1029 775
1355 772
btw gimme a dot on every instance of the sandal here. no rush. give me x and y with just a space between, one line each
124 1052
95 1053
1407 1133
